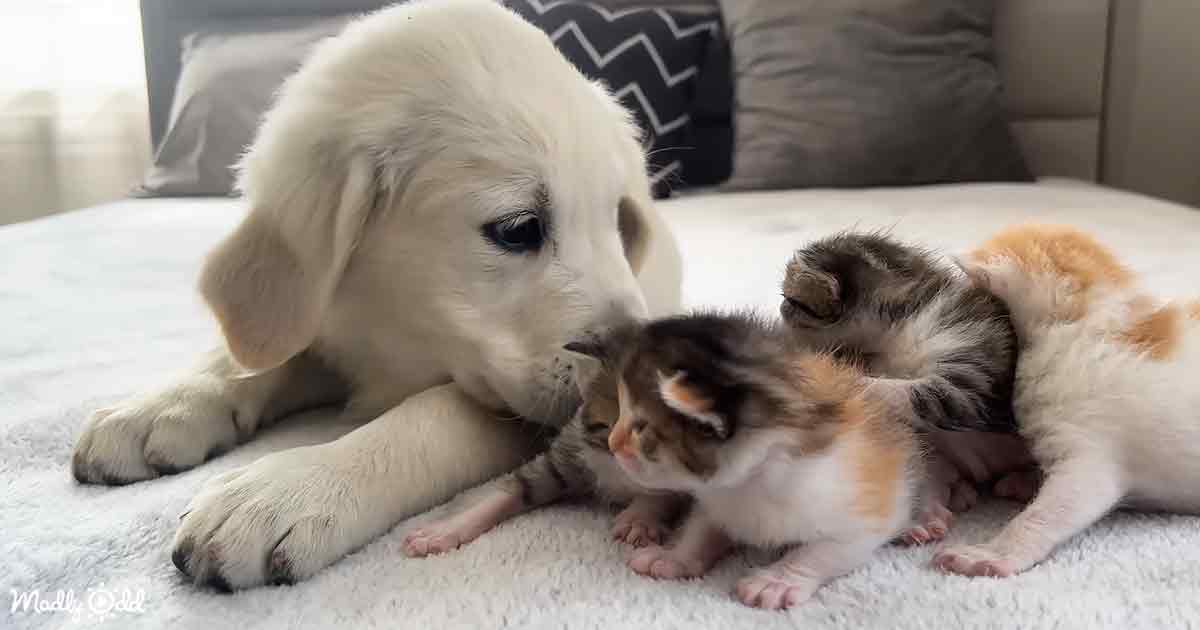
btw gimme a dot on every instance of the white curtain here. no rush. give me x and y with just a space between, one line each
74 128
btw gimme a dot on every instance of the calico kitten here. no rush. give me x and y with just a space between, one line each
777 444
1106 391
942 350
576 465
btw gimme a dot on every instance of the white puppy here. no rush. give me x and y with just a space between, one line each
439 202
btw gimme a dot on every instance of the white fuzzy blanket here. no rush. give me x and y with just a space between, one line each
98 304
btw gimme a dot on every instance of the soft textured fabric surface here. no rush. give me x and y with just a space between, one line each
98 304
866 93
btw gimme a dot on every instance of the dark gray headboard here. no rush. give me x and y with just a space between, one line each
166 22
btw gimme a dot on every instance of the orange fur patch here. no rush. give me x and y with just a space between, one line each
1194 310
1157 333
880 449
879 446
678 394
618 437
1061 251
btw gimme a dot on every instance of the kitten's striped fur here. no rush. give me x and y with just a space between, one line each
946 346
576 465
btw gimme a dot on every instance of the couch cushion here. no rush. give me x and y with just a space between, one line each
854 93
650 57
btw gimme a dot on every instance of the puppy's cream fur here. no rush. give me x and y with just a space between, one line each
1106 392
362 274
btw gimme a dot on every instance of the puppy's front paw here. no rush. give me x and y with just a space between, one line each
973 561
663 563
165 433
275 521
639 530
771 590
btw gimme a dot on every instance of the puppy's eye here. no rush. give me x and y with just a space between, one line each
519 232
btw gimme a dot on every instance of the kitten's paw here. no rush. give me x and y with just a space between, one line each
1019 486
932 524
771 591
434 538
973 561
963 496
926 532
662 563
635 529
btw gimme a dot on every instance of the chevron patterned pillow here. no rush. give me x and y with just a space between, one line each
650 57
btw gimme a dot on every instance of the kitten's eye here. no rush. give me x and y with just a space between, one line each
639 426
706 431
519 232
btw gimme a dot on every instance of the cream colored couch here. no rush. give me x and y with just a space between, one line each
1106 90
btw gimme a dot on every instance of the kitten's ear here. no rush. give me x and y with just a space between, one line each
588 372
819 292
688 398
604 348
974 271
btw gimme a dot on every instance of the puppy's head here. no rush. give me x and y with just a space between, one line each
438 183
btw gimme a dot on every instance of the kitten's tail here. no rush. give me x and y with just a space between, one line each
935 402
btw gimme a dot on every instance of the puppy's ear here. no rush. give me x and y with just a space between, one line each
635 232
688 397
590 349
269 283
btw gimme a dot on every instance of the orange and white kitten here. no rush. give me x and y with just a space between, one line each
779 445
1107 391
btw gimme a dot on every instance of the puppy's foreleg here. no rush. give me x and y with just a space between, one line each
1077 492
206 411
294 512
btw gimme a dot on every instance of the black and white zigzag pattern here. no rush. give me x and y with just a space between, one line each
649 57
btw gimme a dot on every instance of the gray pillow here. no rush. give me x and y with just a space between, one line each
229 76
846 93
